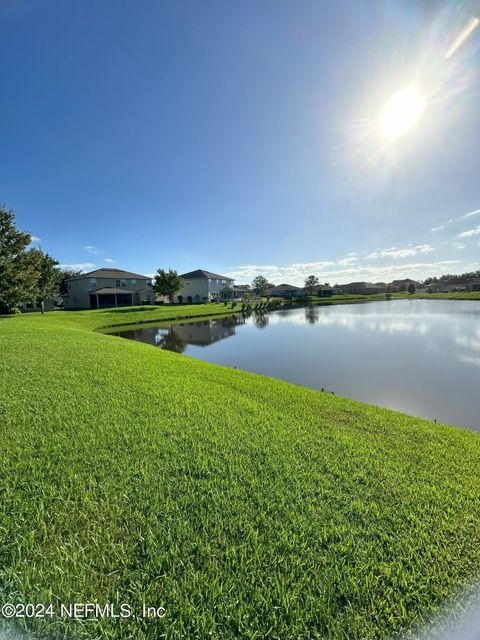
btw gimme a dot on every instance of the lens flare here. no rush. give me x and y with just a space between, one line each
401 113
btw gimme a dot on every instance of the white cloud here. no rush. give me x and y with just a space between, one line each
470 232
79 266
450 221
297 273
109 260
35 239
346 261
459 245
92 249
395 253
470 214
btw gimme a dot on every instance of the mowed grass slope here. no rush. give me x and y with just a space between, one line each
246 506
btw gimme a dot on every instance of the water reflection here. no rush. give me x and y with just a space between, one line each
176 337
261 319
312 314
418 356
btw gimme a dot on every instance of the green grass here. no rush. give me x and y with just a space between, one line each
246 506
457 295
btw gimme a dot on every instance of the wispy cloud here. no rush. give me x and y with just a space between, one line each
35 239
470 232
348 260
459 245
110 261
79 266
396 253
451 221
95 251
471 214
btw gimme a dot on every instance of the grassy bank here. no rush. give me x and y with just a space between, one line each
246 506
457 295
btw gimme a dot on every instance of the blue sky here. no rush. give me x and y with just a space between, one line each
241 137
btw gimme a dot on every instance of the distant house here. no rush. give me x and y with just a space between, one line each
402 285
28 307
234 293
203 286
286 291
321 291
363 288
104 288
449 286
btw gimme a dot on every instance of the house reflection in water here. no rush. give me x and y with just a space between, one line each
177 337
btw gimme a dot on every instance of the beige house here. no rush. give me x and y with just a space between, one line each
285 291
104 288
203 286
48 305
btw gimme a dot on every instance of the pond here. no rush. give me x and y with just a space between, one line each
421 357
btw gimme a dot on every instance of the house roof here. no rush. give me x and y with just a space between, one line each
201 273
111 290
405 281
286 286
366 285
110 273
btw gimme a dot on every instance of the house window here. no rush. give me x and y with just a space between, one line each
187 283
134 283
209 281
121 284
93 282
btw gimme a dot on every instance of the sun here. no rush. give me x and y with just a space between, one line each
401 113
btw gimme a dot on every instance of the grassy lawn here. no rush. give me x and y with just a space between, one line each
246 506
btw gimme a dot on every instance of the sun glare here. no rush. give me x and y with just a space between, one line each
401 113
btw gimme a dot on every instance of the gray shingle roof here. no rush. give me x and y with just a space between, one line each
110 273
201 273
286 286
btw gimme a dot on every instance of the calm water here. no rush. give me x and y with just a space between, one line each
419 356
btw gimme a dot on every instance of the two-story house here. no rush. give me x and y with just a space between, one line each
203 286
108 288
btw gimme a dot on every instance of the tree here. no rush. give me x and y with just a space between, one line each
259 285
49 275
310 283
411 288
167 283
18 276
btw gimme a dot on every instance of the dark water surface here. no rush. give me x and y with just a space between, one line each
419 356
